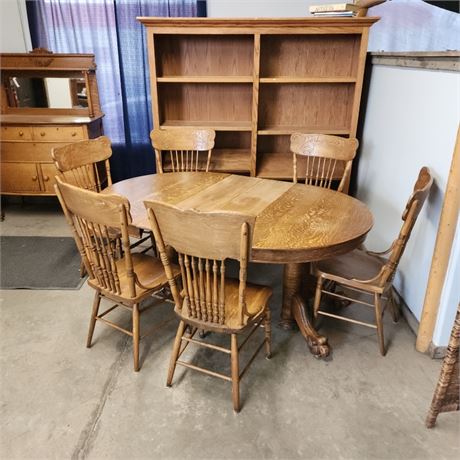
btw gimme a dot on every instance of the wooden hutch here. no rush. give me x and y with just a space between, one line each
47 100
256 81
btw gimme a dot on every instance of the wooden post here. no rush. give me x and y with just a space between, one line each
441 254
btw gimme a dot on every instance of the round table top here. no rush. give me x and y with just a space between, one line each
294 222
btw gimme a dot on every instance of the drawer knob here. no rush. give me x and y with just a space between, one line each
34 178
46 178
21 133
74 134
42 134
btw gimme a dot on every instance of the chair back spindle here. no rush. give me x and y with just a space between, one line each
185 149
325 158
203 241
85 164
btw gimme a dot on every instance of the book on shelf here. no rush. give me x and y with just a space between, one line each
344 14
335 7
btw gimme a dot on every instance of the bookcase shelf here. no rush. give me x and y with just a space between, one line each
275 80
206 79
257 81
217 125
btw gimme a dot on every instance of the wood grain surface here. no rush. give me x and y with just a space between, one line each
294 222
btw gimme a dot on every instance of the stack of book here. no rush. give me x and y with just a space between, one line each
336 9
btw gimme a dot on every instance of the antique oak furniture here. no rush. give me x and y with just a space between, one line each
256 82
186 149
48 100
446 396
115 273
370 273
325 156
294 223
210 301
85 163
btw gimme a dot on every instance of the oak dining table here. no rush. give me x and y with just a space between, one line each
295 224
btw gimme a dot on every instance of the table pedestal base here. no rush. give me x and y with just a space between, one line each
294 311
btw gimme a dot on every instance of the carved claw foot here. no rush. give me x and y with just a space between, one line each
316 343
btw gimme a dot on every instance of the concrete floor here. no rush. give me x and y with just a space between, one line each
61 400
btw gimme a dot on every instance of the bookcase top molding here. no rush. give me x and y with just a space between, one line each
257 23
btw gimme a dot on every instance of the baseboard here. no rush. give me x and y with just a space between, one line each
434 351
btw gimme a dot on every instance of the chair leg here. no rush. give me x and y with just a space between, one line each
394 307
136 336
235 374
175 352
268 333
319 286
92 321
379 322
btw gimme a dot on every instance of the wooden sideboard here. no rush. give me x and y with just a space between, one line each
30 128
256 81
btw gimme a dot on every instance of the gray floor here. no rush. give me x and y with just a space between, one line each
61 400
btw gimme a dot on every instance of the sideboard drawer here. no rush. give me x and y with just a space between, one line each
28 151
19 177
16 133
58 133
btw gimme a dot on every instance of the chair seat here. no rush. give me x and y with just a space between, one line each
257 297
149 271
356 264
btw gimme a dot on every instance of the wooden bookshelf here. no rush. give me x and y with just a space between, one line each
257 81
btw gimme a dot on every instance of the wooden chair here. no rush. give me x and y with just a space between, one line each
326 158
119 276
86 165
446 397
189 149
370 273
209 300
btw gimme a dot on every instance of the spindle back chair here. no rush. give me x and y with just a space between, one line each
85 163
368 272
328 158
189 149
115 273
210 301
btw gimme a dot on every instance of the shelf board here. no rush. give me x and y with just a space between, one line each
308 80
216 125
279 166
223 160
206 79
287 130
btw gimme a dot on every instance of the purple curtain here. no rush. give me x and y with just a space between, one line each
109 30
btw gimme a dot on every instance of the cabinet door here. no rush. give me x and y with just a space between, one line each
19 177
48 174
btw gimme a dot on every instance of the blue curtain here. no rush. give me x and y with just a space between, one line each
109 30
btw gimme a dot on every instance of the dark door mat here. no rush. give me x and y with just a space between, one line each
36 262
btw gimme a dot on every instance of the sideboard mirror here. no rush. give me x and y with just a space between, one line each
42 82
